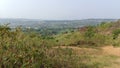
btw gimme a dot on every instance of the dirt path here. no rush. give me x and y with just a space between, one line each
110 50
113 51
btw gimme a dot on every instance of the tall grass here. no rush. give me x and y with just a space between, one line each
30 50
22 50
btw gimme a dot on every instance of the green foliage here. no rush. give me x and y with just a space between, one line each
116 33
92 36
29 50
90 32
105 25
19 49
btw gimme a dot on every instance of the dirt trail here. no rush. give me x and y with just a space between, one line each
110 50
79 50
113 51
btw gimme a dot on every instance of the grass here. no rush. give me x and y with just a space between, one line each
20 49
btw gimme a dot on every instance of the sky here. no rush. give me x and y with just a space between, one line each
60 9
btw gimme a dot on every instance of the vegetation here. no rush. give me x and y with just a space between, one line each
116 33
21 50
29 49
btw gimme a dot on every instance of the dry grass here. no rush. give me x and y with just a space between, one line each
111 50
107 57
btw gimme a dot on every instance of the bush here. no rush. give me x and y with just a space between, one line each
116 32
90 32
23 50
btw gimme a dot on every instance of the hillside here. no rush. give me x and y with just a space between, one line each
94 46
102 34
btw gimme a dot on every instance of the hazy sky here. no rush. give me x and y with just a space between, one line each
59 9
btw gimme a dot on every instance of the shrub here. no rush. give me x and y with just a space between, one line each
116 32
90 32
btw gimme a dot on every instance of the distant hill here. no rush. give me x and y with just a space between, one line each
35 23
